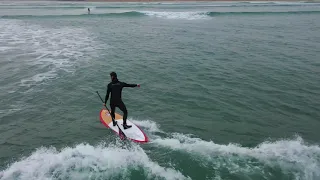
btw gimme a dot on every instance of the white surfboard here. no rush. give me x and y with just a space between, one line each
134 133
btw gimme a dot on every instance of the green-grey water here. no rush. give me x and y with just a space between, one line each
228 90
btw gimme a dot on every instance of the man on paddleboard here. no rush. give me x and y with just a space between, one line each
115 88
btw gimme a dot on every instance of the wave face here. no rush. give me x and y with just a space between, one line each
164 158
292 157
89 162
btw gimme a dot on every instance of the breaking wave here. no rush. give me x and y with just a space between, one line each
291 158
85 161
190 15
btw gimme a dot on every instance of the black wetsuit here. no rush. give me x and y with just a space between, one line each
115 87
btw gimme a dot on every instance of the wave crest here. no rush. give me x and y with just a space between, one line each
290 155
187 15
88 162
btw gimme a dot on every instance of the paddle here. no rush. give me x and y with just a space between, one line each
120 131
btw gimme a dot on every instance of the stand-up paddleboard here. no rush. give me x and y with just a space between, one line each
134 133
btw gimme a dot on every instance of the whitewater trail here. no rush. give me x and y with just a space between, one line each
291 155
85 161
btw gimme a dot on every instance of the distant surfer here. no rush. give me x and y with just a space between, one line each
115 88
88 10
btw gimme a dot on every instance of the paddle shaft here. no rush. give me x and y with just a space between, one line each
110 113
103 102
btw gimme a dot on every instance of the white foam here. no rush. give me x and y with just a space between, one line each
260 2
38 78
85 161
47 50
7 111
151 126
292 156
12 109
177 15
288 154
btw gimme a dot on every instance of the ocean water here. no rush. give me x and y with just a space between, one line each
229 90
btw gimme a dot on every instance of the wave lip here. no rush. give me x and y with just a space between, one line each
88 162
151 126
212 14
290 155
176 15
